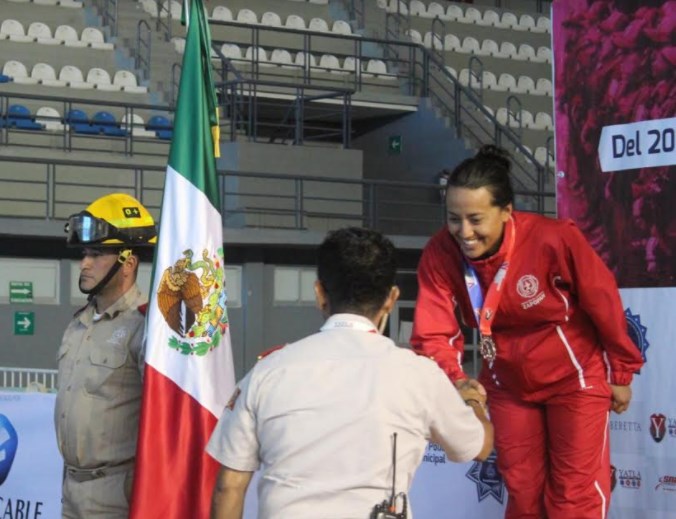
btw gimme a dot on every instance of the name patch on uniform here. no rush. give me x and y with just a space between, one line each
527 287
118 336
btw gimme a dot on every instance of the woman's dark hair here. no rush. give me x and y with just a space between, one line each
489 168
357 269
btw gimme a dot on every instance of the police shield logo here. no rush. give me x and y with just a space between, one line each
9 441
488 479
658 427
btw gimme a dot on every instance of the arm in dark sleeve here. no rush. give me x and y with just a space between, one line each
436 332
598 296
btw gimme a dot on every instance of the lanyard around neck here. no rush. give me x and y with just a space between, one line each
484 311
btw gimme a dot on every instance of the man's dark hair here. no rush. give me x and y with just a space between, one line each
357 269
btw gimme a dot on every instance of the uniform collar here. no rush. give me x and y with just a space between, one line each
350 322
130 299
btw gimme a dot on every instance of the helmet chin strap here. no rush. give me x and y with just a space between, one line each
121 259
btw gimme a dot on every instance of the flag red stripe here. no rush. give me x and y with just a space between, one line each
174 476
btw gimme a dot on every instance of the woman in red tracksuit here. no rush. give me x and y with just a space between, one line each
557 357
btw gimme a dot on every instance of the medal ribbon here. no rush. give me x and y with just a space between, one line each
484 312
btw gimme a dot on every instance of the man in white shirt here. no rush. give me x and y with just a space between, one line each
319 416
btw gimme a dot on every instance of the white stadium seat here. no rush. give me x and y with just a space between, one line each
93 37
271 19
281 57
126 81
221 13
45 74
136 126
41 33
68 36
17 71
74 78
341 27
247 16
543 87
319 25
13 30
101 79
293 21
50 118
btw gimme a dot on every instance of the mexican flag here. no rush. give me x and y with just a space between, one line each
189 373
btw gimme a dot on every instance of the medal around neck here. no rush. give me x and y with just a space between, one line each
487 348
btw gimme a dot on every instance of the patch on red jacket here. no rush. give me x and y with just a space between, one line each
143 309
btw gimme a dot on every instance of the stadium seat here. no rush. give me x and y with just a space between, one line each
281 57
543 87
101 79
525 85
161 126
41 33
489 47
93 37
247 16
126 81
5 79
379 68
319 25
543 25
13 30
75 4
134 124
544 157
45 74
507 50
258 54
150 7
49 118
304 59
17 71
526 53
231 51
435 10
470 45
417 8
451 71
414 36
78 121
526 23
331 64
452 42
19 116
393 5
319 2
509 20
179 44
472 15
543 55
46 2
221 13
455 13
490 19
74 78
506 83
543 121
433 41
351 65
341 27
271 19
67 35
106 123
527 120
293 21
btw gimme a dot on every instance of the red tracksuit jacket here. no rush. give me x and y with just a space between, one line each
559 326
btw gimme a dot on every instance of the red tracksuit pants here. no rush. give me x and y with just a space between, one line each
554 455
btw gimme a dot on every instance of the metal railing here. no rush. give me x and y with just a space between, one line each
28 379
142 51
108 10
248 199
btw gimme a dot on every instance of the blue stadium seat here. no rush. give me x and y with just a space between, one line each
4 79
20 117
79 121
105 123
162 127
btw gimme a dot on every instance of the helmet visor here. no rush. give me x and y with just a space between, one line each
83 229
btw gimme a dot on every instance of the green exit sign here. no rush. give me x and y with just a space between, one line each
394 145
20 291
24 323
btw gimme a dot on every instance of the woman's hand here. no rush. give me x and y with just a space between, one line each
621 398
471 388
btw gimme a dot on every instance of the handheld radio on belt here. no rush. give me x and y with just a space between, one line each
388 508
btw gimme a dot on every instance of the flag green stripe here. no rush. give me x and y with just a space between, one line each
192 147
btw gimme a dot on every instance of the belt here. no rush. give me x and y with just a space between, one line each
81 475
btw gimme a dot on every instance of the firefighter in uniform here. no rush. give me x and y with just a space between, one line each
100 360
